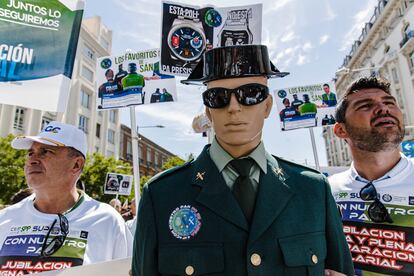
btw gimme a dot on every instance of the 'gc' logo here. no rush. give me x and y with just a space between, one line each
52 129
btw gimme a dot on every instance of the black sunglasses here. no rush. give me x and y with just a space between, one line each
52 244
376 210
248 94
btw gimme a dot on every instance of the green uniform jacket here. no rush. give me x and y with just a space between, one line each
296 229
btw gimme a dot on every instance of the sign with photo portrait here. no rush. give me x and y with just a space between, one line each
133 78
116 183
306 106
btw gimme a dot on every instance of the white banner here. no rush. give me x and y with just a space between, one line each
38 41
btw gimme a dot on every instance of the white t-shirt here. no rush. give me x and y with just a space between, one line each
132 225
97 233
384 248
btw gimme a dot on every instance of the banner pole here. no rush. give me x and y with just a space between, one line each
315 152
135 155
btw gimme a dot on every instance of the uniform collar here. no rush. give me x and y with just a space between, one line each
221 157
272 197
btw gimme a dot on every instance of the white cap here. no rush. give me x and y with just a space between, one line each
55 134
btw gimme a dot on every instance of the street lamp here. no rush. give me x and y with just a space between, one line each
155 126
123 167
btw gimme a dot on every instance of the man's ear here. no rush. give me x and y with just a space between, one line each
268 106
340 131
78 165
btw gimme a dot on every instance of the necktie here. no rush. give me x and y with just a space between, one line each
243 186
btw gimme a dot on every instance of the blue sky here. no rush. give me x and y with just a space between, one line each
309 39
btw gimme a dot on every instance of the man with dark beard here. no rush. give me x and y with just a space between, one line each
376 194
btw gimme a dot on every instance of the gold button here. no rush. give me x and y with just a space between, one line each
314 259
255 259
189 270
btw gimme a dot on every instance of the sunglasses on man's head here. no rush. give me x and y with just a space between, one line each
376 210
248 94
52 244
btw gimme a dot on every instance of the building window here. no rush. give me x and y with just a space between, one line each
112 116
395 75
45 122
129 151
407 30
149 157
85 99
412 59
156 156
111 136
96 149
83 123
141 153
98 130
104 43
399 97
87 74
88 52
19 118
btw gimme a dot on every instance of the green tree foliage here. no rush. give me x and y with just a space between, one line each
144 179
94 174
172 162
11 169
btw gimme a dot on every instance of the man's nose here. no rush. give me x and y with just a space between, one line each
32 159
382 108
234 105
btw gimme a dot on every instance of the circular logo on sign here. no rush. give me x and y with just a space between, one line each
387 198
282 93
106 63
213 18
184 222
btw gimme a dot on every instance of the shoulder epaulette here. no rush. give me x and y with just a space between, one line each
162 174
296 164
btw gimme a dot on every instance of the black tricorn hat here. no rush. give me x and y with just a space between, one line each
233 62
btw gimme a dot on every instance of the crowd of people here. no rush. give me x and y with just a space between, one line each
236 209
127 211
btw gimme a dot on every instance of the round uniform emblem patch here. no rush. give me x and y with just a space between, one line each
184 222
